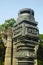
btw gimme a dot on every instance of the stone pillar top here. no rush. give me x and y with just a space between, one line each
9 31
26 10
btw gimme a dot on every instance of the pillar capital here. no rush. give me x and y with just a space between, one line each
9 32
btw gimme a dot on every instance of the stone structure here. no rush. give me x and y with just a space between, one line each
7 39
22 43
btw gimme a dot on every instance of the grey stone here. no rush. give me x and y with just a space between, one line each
22 40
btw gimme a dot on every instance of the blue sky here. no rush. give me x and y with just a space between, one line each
9 9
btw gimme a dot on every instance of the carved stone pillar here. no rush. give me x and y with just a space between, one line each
27 34
14 55
8 52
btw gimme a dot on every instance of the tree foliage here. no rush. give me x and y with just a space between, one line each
4 26
7 23
40 51
2 53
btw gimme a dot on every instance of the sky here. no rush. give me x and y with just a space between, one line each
9 9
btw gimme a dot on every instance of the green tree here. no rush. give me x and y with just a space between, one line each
4 26
8 23
40 51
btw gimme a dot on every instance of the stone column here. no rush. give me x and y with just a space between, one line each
14 55
36 49
27 35
35 62
8 49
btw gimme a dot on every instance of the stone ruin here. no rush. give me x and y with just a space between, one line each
22 40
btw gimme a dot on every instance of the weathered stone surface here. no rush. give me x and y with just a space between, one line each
22 40
27 36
